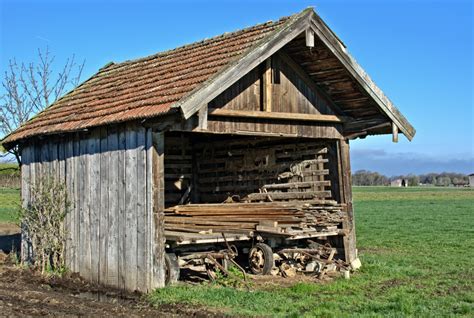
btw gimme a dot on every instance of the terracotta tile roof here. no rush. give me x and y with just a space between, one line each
142 88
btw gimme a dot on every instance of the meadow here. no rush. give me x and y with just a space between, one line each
416 246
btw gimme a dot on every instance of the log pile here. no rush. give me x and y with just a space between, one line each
276 218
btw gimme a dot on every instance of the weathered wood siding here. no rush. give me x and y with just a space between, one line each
276 128
291 91
110 227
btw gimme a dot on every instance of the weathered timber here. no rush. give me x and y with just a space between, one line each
105 173
296 185
267 86
288 195
276 115
283 219
158 185
394 133
346 189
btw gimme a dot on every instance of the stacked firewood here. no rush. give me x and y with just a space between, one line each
247 218
324 215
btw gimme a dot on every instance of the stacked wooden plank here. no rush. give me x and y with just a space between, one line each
277 218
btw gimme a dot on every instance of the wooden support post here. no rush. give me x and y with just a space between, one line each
346 195
394 132
202 117
158 185
267 86
27 154
309 38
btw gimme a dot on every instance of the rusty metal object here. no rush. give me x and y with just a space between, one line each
318 260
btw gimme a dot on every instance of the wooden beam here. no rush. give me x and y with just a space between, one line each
346 195
364 131
267 86
309 38
158 188
276 115
394 132
202 118
288 195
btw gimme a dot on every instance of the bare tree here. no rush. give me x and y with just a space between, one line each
28 88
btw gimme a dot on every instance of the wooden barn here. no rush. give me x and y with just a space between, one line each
241 134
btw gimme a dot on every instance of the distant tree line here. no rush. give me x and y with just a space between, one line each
369 178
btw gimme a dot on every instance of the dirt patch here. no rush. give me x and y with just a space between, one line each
269 282
373 250
9 229
391 283
26 293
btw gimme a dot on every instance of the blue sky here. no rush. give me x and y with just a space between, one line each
419 52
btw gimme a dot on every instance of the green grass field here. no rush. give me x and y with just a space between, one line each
9 198
9 204
417 250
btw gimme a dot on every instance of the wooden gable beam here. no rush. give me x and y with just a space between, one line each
275 115
203 94
267 86
309 38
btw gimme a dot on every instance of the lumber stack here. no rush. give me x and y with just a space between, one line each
248 218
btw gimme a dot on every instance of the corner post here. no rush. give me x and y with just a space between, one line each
158 186
346 196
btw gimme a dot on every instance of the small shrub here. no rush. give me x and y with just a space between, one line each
42 222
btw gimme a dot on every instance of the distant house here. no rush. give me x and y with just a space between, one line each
400 183
471 180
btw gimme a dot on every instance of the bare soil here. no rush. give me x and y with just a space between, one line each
25 293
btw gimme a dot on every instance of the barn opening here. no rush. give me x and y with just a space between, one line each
205 168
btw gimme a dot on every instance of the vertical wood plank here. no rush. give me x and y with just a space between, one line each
84 214
158 209
103 186
348 224
121 200
267 86
94 201
69 175
27 153
149 210
113 208
202 118
131 208
61 175
141 210
44 161
53 159
78 208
